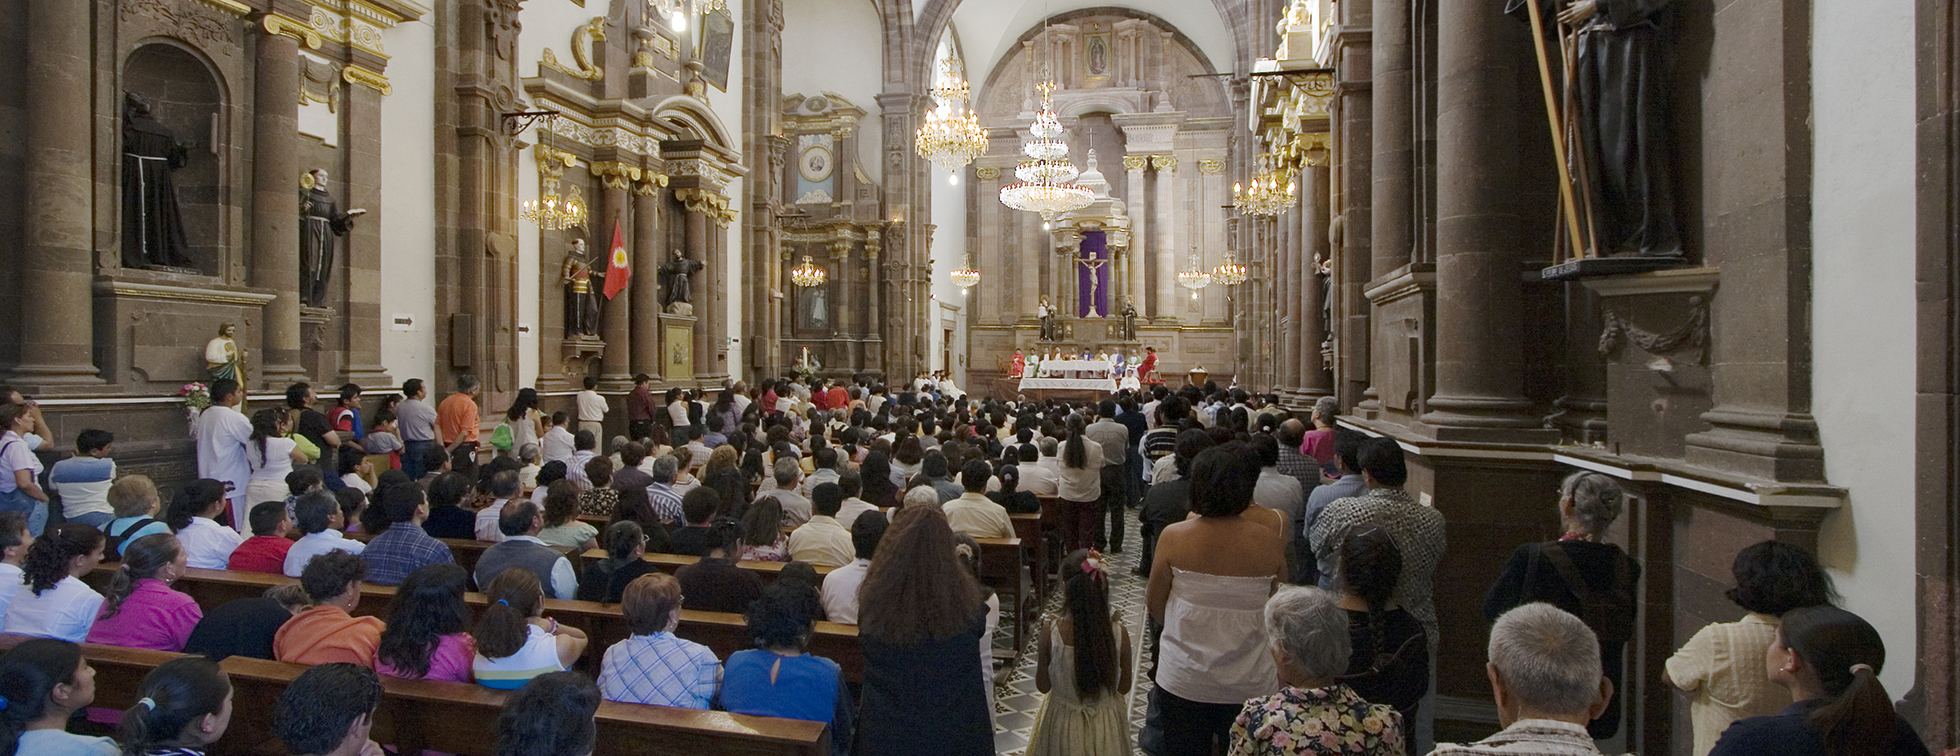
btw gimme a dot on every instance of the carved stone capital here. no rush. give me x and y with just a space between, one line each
1136 162
1167 163
618 175
707 203
291 27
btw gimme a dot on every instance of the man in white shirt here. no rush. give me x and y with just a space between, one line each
852 485
822 541
826 460
840 587
973 513
222 433
557 442
14 540
505 491
591 408
318 514
1037 478
796 508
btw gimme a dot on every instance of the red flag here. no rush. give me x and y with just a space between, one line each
618 270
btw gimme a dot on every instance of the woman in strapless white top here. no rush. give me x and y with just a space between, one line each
1209 583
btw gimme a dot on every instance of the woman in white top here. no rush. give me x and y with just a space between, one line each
19 491
54 602
525 421
44 682
271 456
1079 483
514 642
1209 582
207 545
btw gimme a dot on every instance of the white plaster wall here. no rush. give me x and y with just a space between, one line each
408 236
834 46
1863 320
734 119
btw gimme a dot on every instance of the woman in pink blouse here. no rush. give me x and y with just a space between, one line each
428 627
140 609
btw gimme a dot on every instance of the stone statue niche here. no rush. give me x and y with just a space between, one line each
173 214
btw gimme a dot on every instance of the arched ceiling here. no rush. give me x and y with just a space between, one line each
987 29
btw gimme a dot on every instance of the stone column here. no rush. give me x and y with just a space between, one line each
616 313
717 314
1295 280
1166 244
275 202
1315 382
874 245
1034 254
644 330
1354 130
1133 166
1393 202
57 311
361 276
699 290
1479 298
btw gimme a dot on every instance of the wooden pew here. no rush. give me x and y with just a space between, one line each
670 563
461 718
118 670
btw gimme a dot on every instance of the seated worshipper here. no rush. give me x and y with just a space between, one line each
46 682
796 509
716 584
584 449
1390 659
826 472
937 471
762 532
1037 478
514 641
247 626
184 706
547 475
403 546
1581 574
138 512
520 523
972 512
562 527
328 711
1418 529
53 602
1010 496
140 609
1169 501
661 496
361 518
83 480
353 468
822 541
552 715
697 538
328 632
503 490
1829 659
1544 673
14 543
880 484
840 587
1208 586
1313 712
601 497
319 517
852 484
652 666
922 496
921 618
266 550
206 544
1718 665
779 677
605 579
1083 664
427 637
447 517
530 461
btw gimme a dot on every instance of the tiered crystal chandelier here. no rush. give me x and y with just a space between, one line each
950 138
554 213
1047 183
965 276
807 275
1265 197
1230 272
1195 277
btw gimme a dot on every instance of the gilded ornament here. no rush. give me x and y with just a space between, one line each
289 27
1164 162
986 173
582 40
1136 162
1211 167
370 79
617 174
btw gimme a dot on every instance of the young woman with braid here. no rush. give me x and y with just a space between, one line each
53 601
1389 663
1083 664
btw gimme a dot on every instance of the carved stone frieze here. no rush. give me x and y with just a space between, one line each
1691 337
192 21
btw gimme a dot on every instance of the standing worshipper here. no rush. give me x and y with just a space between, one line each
222 432
591 408
459 418
1418 529
419 431
921 617
640 406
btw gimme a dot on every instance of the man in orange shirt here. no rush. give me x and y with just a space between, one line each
457 416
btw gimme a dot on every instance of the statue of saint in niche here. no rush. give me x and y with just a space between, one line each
223 358
581 304
675 277
153 228
1129 318
1617 131
1046 312
321 226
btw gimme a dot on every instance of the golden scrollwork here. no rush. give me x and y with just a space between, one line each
707 203
651 183
1164 162
617 174
840 249
986 173
291 27
582 40
1211 167
1136 162
370 79
552 163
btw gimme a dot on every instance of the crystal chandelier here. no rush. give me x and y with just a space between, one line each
1047 183
948 138
807 275
1194 278
965 276
554 213
1265 197
1230 272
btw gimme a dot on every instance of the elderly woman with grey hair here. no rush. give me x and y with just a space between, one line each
1313 713
1580 574
1544 673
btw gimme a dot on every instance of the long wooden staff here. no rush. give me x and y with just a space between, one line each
1558 132
1569 49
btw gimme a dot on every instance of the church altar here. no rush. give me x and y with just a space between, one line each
1087 375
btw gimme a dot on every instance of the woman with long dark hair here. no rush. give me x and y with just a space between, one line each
185 707
731 491
1080 485
1082 661
921 616
514 641
715 582
1829 659
762 532
44 682
525 421
1390 659
54 602
427 636
271 455
141 610
879 490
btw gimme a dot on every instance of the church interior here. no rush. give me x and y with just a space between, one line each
1705 249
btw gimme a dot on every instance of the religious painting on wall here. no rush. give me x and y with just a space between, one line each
678 352
717 46
1095 55
813 308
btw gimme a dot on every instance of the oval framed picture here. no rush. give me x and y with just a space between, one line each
816 163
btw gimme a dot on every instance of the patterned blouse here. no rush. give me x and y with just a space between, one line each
598 501
1316 722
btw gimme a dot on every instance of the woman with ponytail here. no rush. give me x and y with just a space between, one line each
185 707
1080 485
271 456
141 609
1829 659
514 641
56 603
1389 663
43 682
1083 663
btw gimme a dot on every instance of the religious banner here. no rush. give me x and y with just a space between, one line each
1092 259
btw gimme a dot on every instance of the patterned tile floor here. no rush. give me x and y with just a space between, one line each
1016 700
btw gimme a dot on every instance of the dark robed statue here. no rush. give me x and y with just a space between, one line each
153 229
675 277
1620 154
321 226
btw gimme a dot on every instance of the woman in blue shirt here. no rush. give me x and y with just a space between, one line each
1829 659
780 678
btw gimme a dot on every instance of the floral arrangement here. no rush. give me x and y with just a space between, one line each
197 396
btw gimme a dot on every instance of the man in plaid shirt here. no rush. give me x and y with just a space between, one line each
404 546
653 666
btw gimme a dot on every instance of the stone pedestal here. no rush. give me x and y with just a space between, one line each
152 328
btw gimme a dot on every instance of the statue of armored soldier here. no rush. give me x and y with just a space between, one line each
581 304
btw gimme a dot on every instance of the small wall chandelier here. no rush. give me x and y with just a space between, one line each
552 212
1266 197
965 276
1195 277
1230 272
807 275
1047 183
949 138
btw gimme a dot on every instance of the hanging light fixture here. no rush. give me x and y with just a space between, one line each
1195 277
1266 196
1230 272
965 276
950 138
1047 184
551 211
807 275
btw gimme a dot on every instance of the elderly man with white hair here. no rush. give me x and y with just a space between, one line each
1545 674
1314 712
